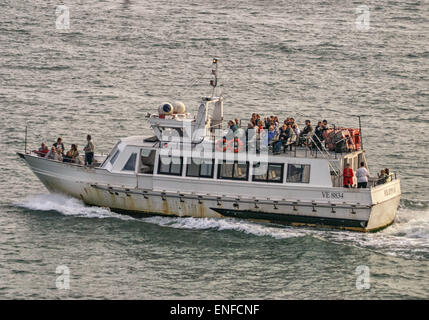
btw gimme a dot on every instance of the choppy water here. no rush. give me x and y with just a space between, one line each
120 59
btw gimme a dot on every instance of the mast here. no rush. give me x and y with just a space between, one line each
213 82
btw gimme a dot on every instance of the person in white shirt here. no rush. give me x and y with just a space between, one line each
52 154
362 175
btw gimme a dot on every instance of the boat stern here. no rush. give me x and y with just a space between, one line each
385 202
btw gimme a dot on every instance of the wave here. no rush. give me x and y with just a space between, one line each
227 224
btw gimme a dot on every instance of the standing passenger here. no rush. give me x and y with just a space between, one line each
362 175
89 151
348 176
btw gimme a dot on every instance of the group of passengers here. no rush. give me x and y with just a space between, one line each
57 152
362 176
280 135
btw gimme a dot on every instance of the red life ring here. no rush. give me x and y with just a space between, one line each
221 145
237 145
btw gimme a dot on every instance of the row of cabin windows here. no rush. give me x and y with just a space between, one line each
262 172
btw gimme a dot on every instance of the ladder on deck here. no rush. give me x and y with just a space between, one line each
325 153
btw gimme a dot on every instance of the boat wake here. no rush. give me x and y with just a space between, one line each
231 224
69 207
407 237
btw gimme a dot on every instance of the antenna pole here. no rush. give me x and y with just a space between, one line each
25 141
360 134
213 82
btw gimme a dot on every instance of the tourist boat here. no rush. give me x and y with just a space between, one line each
192 167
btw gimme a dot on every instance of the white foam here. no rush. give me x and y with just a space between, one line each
68 206
407 237
227 224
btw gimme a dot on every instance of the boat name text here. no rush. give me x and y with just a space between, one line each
332 195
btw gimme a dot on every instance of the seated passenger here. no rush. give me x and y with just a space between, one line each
388 175
43 150
59 155
281 139
381 177
59 145
72 155
308 129
52 154
272 134
296 129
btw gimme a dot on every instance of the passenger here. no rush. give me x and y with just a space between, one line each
388 175
52 154
308 129
253 119
284 135
296 129
325 125
43 150
258 120
272 134
59 155
59 145
276 122
348 176
237 123
281 140
318 134
68 156
381 177
72 155
89 151
362 175
250 136
231 125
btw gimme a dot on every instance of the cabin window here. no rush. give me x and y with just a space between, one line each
200 168
233 170
268 172
170 165
115 156
298 173
131 163
147 161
